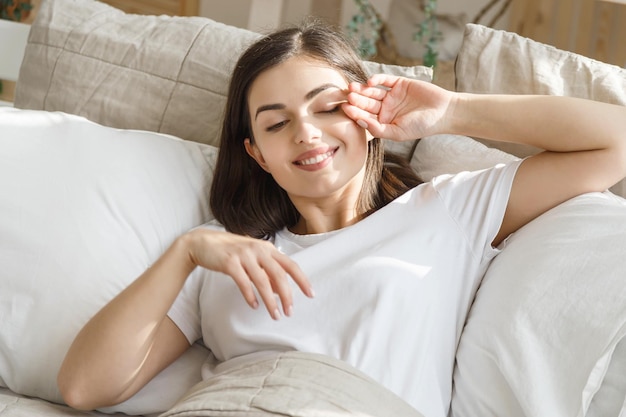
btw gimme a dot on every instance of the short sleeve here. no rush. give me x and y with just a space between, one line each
185 312
477 201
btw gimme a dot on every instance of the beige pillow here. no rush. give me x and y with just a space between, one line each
158 73
496 61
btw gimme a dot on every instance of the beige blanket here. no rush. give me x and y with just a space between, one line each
15 405
291 384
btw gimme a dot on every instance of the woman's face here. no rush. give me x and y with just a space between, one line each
301 135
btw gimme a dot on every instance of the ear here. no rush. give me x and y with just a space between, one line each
255 153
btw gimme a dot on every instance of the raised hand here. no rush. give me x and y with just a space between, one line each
252 263
399 108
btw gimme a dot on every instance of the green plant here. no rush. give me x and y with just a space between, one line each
14 9
364 27
428 33
368 28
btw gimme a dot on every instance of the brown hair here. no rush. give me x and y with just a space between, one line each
245 198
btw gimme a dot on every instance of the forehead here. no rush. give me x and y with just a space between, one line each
293 78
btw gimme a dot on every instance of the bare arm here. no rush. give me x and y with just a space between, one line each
131 339
585 141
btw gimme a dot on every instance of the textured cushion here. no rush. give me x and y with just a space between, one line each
84 210
158 73
496 61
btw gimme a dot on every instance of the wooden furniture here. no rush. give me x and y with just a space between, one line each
157 7
594 28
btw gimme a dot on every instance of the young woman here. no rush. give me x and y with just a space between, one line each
306 198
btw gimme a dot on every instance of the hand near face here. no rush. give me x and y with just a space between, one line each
399 108
251 263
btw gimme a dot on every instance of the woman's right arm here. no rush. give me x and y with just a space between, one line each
131 339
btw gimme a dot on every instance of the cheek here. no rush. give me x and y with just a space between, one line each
357 136
273 153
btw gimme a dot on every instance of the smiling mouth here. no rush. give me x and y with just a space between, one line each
316 159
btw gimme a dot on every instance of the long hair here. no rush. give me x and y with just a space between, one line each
245 198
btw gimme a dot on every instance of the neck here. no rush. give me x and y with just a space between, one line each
330 212
316 221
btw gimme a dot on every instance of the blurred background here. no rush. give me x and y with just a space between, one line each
406 32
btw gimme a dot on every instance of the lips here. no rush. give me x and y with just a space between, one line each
314 157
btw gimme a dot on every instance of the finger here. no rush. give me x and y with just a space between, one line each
296 274
356 113
261 281
366 120
374 92
383 80
280 285
239 275
372 125
365 103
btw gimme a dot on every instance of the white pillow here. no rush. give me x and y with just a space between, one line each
84 209
451 154
549 314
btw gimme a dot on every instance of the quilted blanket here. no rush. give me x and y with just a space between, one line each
291 384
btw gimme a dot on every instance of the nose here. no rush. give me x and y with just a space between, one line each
307 132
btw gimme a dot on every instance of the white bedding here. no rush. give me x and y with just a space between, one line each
596 250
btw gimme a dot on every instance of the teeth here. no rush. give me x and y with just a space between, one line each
316 159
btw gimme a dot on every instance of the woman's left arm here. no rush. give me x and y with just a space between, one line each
585 141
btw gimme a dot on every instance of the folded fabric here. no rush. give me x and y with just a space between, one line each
293 384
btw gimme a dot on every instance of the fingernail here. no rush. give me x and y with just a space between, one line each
289 311
276 314
362 123
311 293
255 304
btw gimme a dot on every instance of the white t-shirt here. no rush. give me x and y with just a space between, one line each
392 291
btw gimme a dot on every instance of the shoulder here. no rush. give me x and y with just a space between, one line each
212 224
475 186
478 200
483 177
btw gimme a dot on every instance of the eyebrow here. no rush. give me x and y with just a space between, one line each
308 96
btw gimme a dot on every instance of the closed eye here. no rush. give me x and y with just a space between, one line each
276 126
333 110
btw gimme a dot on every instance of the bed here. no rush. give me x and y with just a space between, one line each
107 155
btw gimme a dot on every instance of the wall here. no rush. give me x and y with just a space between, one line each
402 16
264 14
595 28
